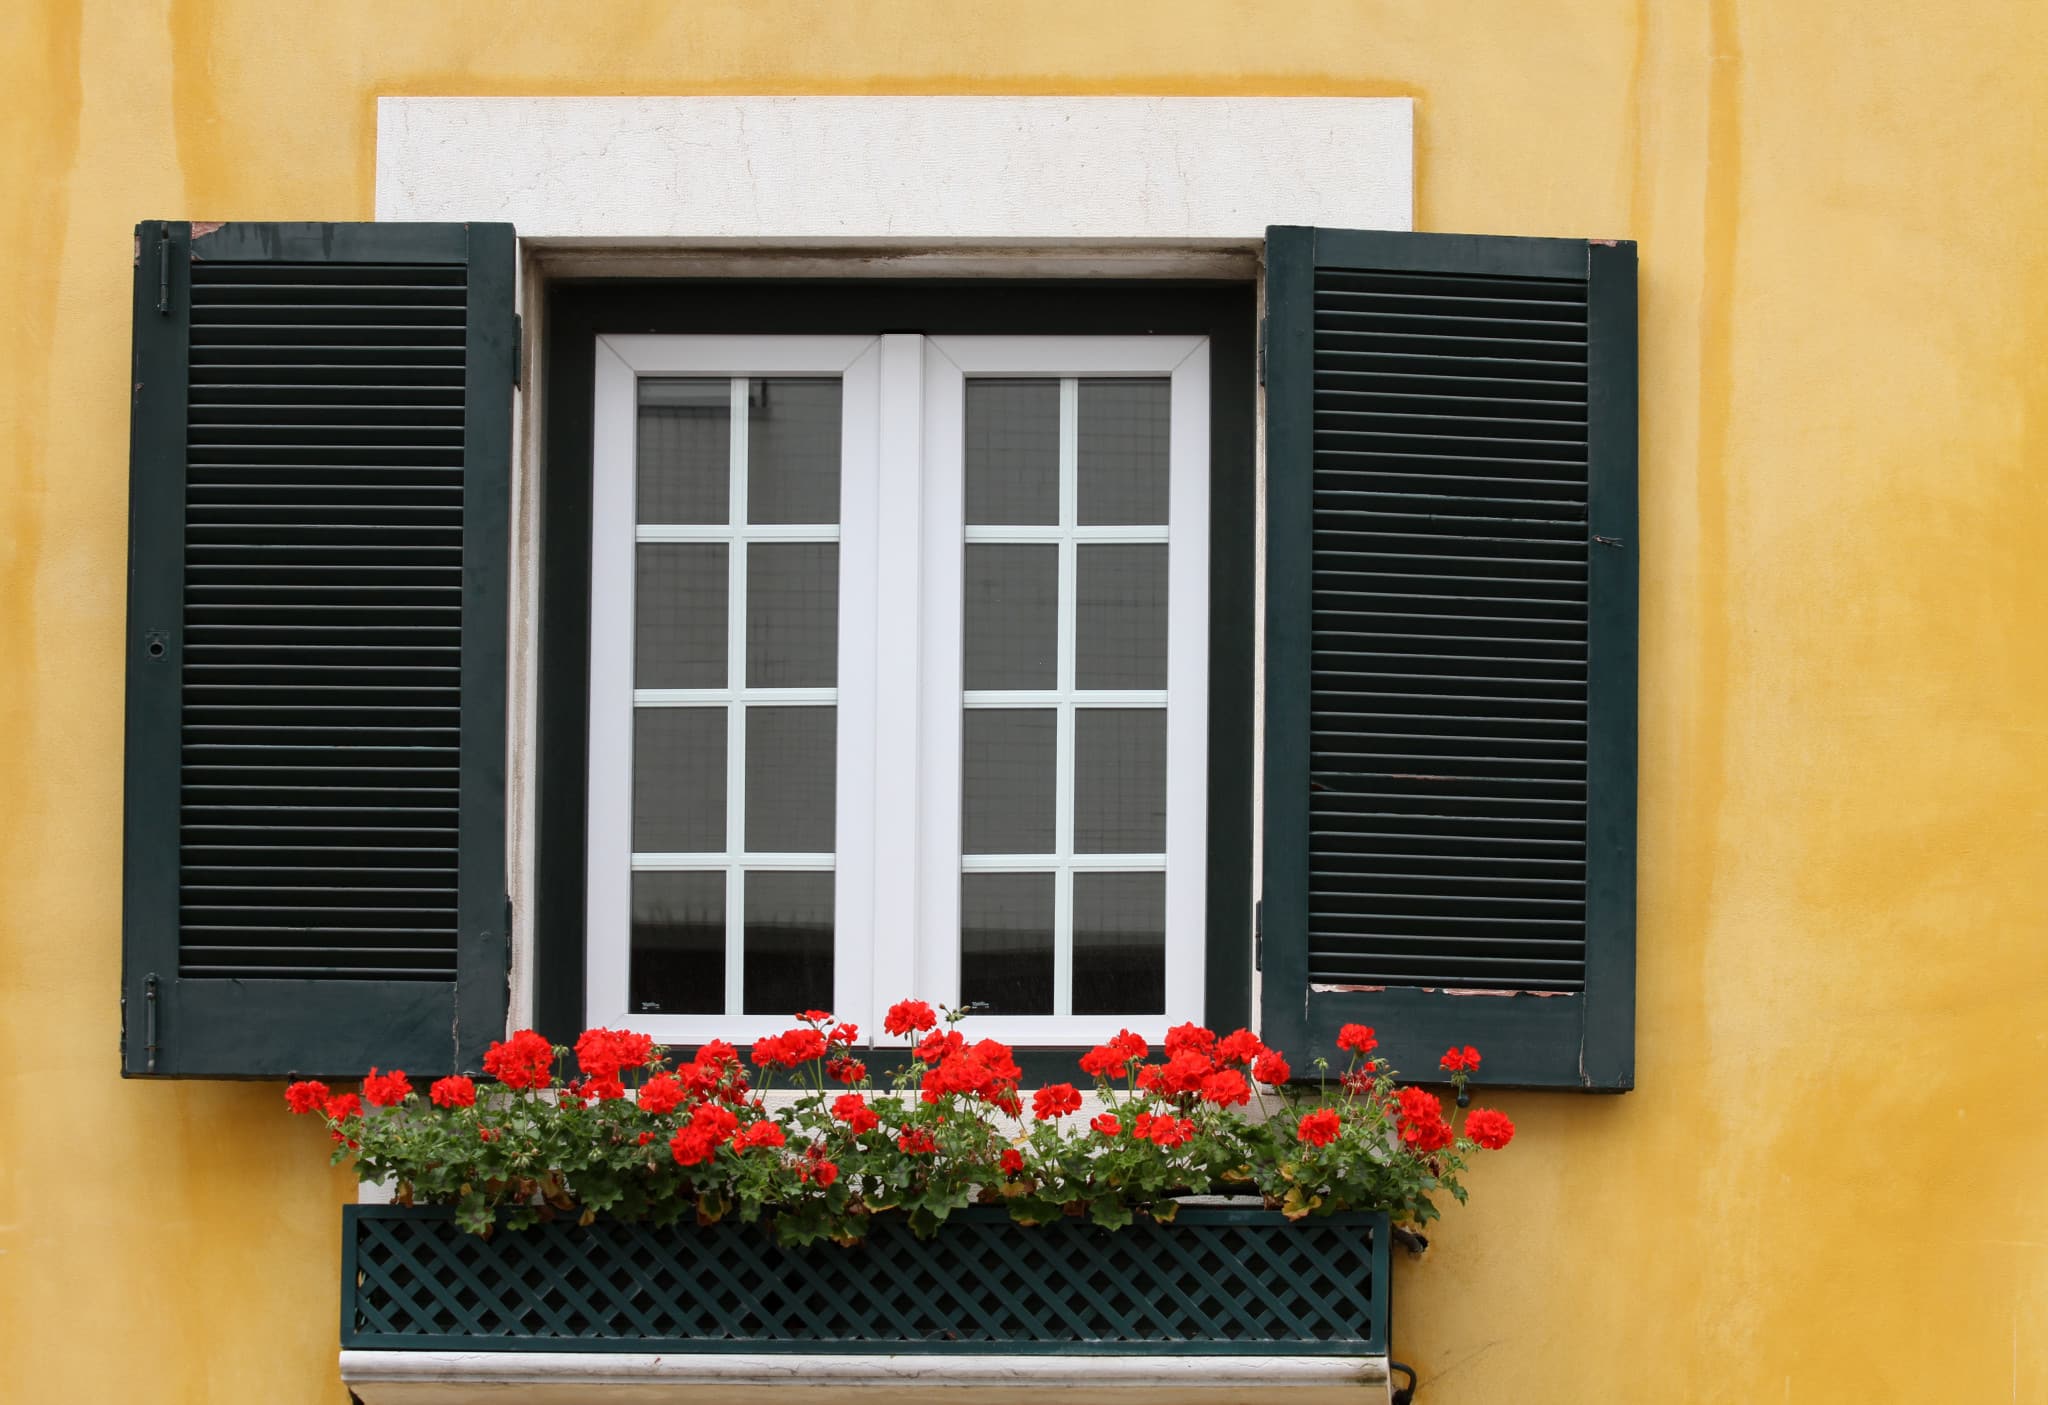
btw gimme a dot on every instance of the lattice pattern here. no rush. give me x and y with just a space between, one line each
1216 1281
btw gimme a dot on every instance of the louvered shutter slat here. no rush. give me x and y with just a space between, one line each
1450 702
315 831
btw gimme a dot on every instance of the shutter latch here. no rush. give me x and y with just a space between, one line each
163 268
1610 541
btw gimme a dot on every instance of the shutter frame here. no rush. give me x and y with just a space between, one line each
1578 1040
180 1026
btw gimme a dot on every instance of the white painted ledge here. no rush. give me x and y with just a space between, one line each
794 169
569 1378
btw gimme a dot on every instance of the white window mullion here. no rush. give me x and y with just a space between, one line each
1063 747
736 710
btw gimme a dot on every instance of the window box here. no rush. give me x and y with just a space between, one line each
1216 1281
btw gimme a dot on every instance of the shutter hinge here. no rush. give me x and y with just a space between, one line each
508 937
1609 541
518 382
150 1046
1259 936
163 269
1262 349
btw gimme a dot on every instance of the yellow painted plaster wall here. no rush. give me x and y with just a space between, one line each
1829 1185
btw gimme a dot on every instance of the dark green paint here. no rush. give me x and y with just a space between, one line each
1215 1282
1545 1041
275 1028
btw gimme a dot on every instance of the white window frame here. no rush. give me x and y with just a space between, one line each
902 543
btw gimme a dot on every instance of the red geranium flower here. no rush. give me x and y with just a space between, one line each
1107 1060
1490 1129
917 1141
660 1094
306 1096
524 1061
342 1105
907 1015
1226 1088
1240 1046
824 1173
691 1146
844 1034
846 1070
1319 1128
815 1016
1185 1071
386 1089
1357 1038
1460 1060
1055 1100
939 1043
1190 1038
853 1110
1170 1131
1420 1120
1106 1124
1012 1161
604 1053
646 1137
1271 1068
453 1091
487 1134
762 1133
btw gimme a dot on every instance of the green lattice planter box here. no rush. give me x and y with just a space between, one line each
1216 1281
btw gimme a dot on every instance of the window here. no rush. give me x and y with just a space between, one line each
985 558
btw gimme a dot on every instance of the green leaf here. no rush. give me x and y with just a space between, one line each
1109 1212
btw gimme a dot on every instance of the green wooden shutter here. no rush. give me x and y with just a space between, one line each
314 875
1450 772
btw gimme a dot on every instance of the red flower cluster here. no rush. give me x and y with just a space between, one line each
766 1132
1106 1123
790 1048
1163 1129
853 1110
697 1140
662 1094
1419 1118
1490 1129
916 1141
1055 1100
524 1061
454 1091
1463 1060
986 1069
1114 1057
1319 1128
309 1095
386 1089
1357 1039
1271 1069
1199 1063
1012 1161
908 1015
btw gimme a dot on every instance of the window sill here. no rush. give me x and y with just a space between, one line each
568 1378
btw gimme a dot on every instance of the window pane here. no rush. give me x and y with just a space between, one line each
1007 780
792 614
679 614
685 451
679 780
1013 452
792 779
1006 942
1012 616
788 943
1120 615
1121 459
678 965
1119 780
1119 943
793 451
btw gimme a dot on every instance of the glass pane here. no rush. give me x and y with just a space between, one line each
788 935
792 779
1006 942
1012 616
679 780
1122 453
685 451
1013 452
679 614
678 965
792 614
1119 943
1119 780
793 451
1120 615
1006 780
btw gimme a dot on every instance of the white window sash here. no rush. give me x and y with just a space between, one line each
620 362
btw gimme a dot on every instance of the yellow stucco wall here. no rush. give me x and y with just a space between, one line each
1829 1185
